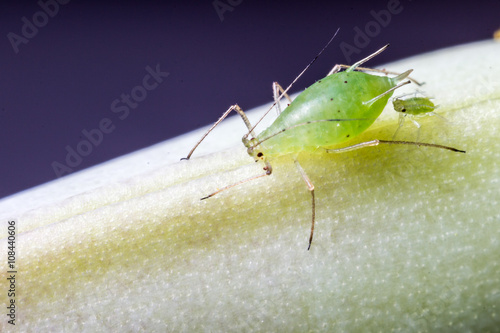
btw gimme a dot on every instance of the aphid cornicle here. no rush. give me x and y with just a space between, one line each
333 110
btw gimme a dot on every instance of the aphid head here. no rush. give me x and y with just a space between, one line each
253 149
398 105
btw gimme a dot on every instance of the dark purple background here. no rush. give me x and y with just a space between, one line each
66 77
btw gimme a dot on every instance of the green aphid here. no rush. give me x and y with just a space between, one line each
413 107
333 110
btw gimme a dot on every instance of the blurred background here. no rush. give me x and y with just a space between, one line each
89 79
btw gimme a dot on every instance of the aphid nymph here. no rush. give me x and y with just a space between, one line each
333 110
411 108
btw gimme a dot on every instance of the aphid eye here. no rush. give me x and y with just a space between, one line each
404 110
345 81
260 155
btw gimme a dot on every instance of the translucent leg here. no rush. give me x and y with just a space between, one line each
279 92
401 122
339 67
310 187
224 115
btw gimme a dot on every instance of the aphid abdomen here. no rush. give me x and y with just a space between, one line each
342 95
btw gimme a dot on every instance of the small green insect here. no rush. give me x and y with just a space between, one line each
412 108
333 110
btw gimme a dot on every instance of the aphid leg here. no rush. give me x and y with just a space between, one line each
418 127
356 66
278 93
373 143
438 115
374 99
310 186
338 67
371 56
401 122
231 108
269 171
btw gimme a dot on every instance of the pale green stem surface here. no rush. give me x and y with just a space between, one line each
407 238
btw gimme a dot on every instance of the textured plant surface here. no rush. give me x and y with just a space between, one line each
407 238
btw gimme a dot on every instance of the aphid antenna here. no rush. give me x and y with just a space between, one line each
291 84
376 142
267 168
305 124
233 185
415 93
